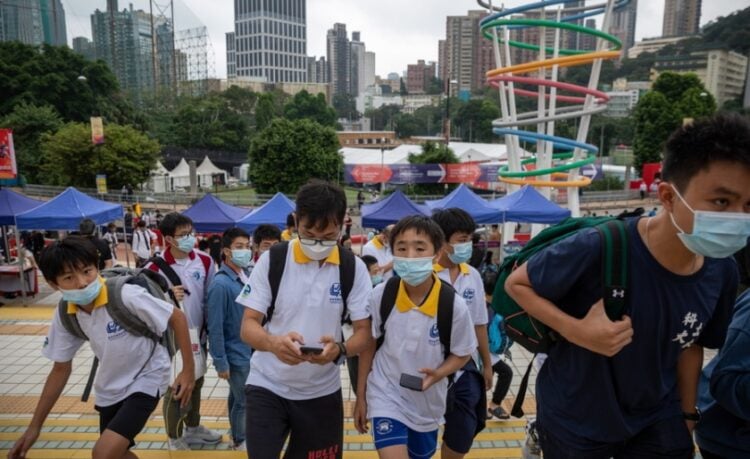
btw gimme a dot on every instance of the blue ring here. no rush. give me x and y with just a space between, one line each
531 136
545 3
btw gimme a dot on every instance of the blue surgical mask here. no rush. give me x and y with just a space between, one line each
84 295
376 279
186 243
242 257
413 271
461 252
715 234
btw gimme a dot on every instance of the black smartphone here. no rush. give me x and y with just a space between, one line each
411 382
309 350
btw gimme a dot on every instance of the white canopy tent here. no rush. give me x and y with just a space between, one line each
158 180
206 171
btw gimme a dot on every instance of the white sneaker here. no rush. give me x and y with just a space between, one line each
201 434
531 448
240 447
178 444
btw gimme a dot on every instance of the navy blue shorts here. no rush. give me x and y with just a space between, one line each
462 421
390 432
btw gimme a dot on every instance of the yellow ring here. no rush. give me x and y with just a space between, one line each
581 182
566 61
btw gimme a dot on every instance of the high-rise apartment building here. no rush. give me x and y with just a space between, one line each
33 22
357 53
681 18
623 25
317 70
271 40
84 47
339 59
466 55
419 76
231 41
369 69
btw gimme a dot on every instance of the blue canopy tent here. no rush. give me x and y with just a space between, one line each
273 212
12 204
66 210
212 215
380 214
527 205
463 198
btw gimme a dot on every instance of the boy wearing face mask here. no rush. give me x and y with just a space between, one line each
406 421
230 354
195 271
264 237
466 417
627 388
378 247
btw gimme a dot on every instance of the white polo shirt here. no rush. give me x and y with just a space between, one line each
309 302
382 253
412 342
126 364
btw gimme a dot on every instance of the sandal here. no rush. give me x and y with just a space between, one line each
499 413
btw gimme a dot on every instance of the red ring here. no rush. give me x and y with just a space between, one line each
601 96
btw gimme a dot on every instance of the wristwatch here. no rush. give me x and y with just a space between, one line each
696 416
342 354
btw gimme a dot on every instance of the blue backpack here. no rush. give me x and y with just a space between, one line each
499 342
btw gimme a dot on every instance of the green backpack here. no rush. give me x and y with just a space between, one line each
529 332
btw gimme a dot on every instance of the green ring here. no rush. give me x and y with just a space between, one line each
546 23
503 172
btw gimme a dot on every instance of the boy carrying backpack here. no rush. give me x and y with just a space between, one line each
135 368
626 386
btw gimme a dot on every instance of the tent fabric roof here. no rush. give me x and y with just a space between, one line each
380 214
273 212
66 210
527 205
182 169
463 198
212 215
12 204
159 169
208 167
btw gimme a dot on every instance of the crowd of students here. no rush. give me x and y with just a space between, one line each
410 319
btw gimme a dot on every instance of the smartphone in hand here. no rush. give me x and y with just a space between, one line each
411 382
309 350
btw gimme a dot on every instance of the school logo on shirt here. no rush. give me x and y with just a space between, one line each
469 294
384 427
434 335
691 331
335 292
197 275
245 291
114 330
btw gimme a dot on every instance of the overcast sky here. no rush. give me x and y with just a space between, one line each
399 31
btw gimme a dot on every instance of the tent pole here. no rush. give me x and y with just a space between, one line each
7 247
21 265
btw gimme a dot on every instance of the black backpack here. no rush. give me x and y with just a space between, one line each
278 254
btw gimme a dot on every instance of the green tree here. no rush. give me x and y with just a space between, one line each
287 154
675 85
70 159
383 118
29 123
655 119
432 153
312 107
474 120
208 122
402 87
346 107
270 106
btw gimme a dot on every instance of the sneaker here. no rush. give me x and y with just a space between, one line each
178 444
201 434
500 413
240 447
531 448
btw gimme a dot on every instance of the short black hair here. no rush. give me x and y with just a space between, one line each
321 203
290 220
73 252
171 222
454 220
141 224
230 235
422 225
694 146
369 261
87 227
263 232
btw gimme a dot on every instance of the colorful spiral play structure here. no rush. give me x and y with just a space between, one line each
557 160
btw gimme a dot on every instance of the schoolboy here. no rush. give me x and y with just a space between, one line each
467 415
292 394
194 270
264 237
373 268
133 370
291 229
405 421
230 354
378 247
627 388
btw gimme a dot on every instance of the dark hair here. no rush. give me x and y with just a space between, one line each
454 220
369 260
171 222
421 224
321 203
230 235
694 146
290 220
263 232
73 252
141 224
87 227
112 225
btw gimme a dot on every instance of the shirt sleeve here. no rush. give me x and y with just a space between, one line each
368 249
256 294
373 306
59 345
555 270
716 329
463 335
357 303
478 306
153 311
217 301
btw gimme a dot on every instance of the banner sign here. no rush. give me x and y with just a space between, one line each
101 184
7 155
97 130
421 173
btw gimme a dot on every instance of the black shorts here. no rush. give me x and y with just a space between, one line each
127 417
466 417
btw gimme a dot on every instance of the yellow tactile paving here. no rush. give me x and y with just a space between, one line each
23 329
491 453
31 312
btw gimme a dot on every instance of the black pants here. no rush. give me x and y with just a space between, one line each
708 455
315 427
504 377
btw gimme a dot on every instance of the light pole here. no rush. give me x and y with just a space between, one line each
448 113
382 167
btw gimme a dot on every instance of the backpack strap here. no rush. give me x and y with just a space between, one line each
347 271
387 302
206 260
445 316
167 270
70 321
277 260
614 266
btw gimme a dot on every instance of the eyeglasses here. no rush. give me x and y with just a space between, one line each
323 242
185 235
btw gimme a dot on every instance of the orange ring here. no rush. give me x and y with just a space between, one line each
580 182
566 61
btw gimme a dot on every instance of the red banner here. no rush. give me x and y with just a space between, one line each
7 155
